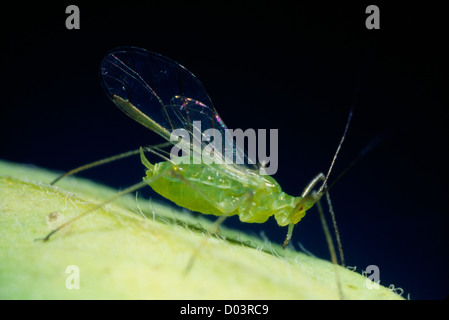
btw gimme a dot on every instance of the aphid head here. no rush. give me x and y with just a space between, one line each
302 205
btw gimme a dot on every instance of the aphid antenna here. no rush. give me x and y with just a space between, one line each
317 195
324 188
362 153
320 191
373 143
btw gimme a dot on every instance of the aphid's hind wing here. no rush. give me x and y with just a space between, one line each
141 83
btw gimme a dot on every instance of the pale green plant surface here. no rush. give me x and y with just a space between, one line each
140 249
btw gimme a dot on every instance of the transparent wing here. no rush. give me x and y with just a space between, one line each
162 95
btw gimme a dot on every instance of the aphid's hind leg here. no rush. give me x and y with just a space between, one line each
104 161
211 230
247 197
96 164
331 249
245 202
130 189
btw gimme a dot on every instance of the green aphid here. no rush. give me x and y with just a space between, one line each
163 96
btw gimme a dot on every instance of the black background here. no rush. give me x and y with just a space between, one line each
267 65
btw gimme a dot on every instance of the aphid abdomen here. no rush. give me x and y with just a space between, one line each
197 188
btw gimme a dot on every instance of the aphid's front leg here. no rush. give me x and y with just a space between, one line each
316 198
320 192
310 186
331 249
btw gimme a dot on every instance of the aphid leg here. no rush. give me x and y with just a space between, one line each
157 150
104 161
211 230
289 235
331 249
96 164
214 227
306 191
247 198
223 208
337 233
130 189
